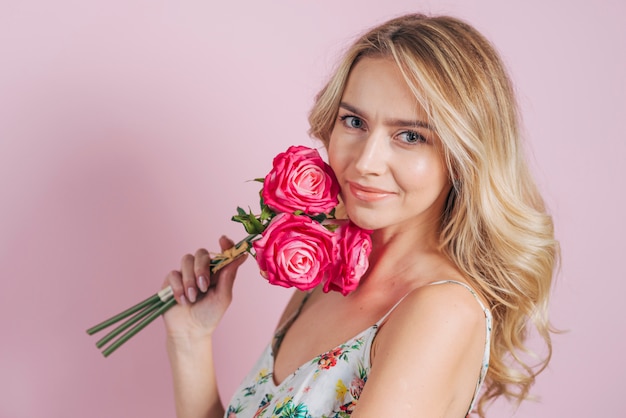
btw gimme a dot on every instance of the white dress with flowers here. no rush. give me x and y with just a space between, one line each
328 386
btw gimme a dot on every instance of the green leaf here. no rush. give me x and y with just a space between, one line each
250 229
319 218
260 179
240 218
331 227
240 211
266 213
249 221
257 225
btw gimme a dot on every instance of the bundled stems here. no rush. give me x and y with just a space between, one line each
142 314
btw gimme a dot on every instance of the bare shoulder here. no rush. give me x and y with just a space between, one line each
453 301
433 344
446 308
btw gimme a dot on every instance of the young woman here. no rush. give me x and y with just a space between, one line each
421 128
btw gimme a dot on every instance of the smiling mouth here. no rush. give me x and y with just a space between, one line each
367 194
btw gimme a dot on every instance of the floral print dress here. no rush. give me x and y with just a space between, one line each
328 386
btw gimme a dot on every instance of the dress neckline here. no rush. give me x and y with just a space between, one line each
272 358
283 328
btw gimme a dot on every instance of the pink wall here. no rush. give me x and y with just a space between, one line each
128 130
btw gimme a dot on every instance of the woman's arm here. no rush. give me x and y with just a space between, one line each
202 300
195 386
427 357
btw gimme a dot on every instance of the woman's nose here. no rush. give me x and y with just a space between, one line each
372 156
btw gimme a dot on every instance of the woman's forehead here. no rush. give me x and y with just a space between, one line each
377 87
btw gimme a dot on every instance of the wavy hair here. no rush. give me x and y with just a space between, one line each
495 227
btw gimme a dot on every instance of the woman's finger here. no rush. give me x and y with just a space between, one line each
226 243
189 277
202 269
174 279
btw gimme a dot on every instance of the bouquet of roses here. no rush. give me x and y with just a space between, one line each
296 241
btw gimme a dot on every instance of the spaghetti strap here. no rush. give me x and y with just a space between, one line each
480 302
482 305
381 320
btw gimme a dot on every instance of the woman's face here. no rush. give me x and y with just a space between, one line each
386 157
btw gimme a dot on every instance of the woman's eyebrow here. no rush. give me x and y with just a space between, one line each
390 122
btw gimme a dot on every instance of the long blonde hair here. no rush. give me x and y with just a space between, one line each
495 227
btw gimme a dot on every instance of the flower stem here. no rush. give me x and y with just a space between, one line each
118 343
122 315
128 323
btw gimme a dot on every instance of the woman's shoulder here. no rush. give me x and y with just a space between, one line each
452 301
446 311
436 334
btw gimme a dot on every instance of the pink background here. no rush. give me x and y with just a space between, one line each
129 129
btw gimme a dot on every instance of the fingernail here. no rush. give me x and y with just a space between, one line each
203 284
191 294
183 300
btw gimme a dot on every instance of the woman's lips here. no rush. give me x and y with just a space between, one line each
367 194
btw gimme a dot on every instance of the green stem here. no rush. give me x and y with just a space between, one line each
118 343
123 314
128 323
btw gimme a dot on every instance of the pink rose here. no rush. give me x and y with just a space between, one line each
300 180
354 249
295 250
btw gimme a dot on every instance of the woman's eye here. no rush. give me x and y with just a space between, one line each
352 122
412 137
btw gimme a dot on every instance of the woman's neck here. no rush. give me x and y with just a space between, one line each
403 256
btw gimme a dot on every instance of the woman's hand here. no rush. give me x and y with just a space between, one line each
202 297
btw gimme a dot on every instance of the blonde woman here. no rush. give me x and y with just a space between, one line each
421 128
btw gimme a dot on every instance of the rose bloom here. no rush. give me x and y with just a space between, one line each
295 251
300 180
354 249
